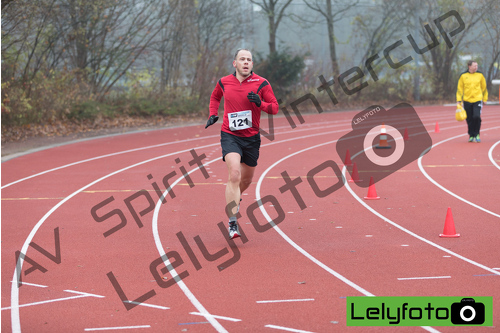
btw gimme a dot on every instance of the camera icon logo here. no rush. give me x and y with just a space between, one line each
467 312
377 144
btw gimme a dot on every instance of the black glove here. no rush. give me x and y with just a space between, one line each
212 120
254 98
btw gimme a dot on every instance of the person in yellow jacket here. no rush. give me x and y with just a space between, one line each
472 94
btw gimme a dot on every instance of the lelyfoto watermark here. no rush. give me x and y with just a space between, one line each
363 140
371 112
419 311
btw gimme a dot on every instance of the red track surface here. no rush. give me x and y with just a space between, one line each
338 246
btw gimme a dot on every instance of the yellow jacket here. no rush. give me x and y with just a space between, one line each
472 88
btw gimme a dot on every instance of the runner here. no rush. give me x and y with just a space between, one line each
245 95
472 91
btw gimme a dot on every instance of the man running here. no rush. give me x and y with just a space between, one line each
245 95
472 91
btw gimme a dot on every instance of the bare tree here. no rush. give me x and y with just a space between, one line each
440 59
274 13
108 37
27 38
171 45
5 3
214 31
380 24
99 39
491 42
332 12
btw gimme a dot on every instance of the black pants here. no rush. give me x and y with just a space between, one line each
473 111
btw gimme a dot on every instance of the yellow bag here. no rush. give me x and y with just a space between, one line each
460 114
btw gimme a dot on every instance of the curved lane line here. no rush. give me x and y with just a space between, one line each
156 146
173 272
325 267
290 241
385 219
442 187
15 319
131 151
103 156
299 248
490 155
264 212
156 235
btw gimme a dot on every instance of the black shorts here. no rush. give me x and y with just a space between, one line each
248 148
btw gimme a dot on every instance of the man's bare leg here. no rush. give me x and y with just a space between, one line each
246 177
233 192
240 178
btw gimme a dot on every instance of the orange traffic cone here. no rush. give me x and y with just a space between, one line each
354 175
449 226
347 161
406 137
436 129
372 193
383 139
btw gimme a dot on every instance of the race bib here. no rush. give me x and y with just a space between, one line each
240 120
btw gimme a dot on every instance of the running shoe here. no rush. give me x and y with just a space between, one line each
234 232
478 139
471 139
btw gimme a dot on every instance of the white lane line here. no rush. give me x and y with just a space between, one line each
104 156
82 293
32 284
148 305
14 314
288 239
218 317
385 219
167 263
116 328
187 292
319 263
442 187
45 302
165 144
490 155
287 300
287 329
15 318
134 150
425 278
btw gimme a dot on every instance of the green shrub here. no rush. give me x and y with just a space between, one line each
46 98
90 110
281 69
183 106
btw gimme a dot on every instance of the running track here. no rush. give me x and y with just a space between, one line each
293 278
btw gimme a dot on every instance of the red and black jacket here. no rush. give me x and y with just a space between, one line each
235 100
